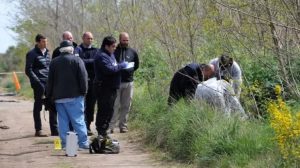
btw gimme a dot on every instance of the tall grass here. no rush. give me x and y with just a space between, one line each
193 132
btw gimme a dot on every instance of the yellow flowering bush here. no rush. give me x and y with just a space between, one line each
286 127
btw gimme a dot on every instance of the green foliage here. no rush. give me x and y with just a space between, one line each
195 133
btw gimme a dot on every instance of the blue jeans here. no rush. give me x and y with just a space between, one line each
73 112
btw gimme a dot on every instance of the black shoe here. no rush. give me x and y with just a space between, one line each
40 134
54 134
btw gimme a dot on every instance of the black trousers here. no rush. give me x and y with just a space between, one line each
106 97
90 102
182 86
39 94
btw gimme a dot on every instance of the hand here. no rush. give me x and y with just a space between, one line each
123 65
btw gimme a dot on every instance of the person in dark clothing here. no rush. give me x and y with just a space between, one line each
125 93
37 68
87 53
185 81
67 86
65 36
107 81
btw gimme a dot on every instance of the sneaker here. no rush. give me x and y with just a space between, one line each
84 147
123 130
40 133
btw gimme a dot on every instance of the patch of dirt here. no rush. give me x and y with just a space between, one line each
19 148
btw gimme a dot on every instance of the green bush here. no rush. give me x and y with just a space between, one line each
193 132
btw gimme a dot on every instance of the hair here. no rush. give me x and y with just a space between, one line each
108 41
66 32
39 37
225 60
69 49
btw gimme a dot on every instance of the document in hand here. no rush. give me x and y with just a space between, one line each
129 65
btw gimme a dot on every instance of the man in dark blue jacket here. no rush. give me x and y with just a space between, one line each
87 53
107 81
37 68
125 93
186 79
65 36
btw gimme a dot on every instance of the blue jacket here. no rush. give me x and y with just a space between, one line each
88 56
37 66
107 71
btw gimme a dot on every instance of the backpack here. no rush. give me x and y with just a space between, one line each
104 146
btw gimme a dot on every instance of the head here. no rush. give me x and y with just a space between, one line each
225 61
124 39
66 46
208 71
67 36
41 41
87 38
109 44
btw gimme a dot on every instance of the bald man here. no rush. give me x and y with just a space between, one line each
87 53
186 79
124 53
65 36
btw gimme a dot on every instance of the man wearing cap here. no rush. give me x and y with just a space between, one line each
186 79
67 86
226 68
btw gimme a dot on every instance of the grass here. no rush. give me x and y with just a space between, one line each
194 133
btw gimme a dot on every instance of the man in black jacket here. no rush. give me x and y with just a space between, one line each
65 36
37 68
186 79
107 81
125 93
67 86
87 53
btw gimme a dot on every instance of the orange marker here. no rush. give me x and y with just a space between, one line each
16 81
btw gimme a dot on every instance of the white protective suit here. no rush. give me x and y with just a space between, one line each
234 73
220 94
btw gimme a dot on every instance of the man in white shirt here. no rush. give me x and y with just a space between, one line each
227 69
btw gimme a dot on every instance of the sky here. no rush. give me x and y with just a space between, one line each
7 37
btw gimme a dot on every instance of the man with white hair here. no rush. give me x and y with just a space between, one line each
66 36
67 86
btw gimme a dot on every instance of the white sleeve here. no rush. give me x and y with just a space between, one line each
236 75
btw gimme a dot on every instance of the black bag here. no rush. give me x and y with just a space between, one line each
104 146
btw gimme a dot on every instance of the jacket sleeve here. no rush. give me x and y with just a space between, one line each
136 61
29 69
107 67
50 81
83 77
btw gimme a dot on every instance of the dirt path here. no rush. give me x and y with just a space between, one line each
19 148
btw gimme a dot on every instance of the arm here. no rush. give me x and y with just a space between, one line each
236 79
107 67
136 61
83 77
50 81
29 69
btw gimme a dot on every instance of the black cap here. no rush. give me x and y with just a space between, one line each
66 43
